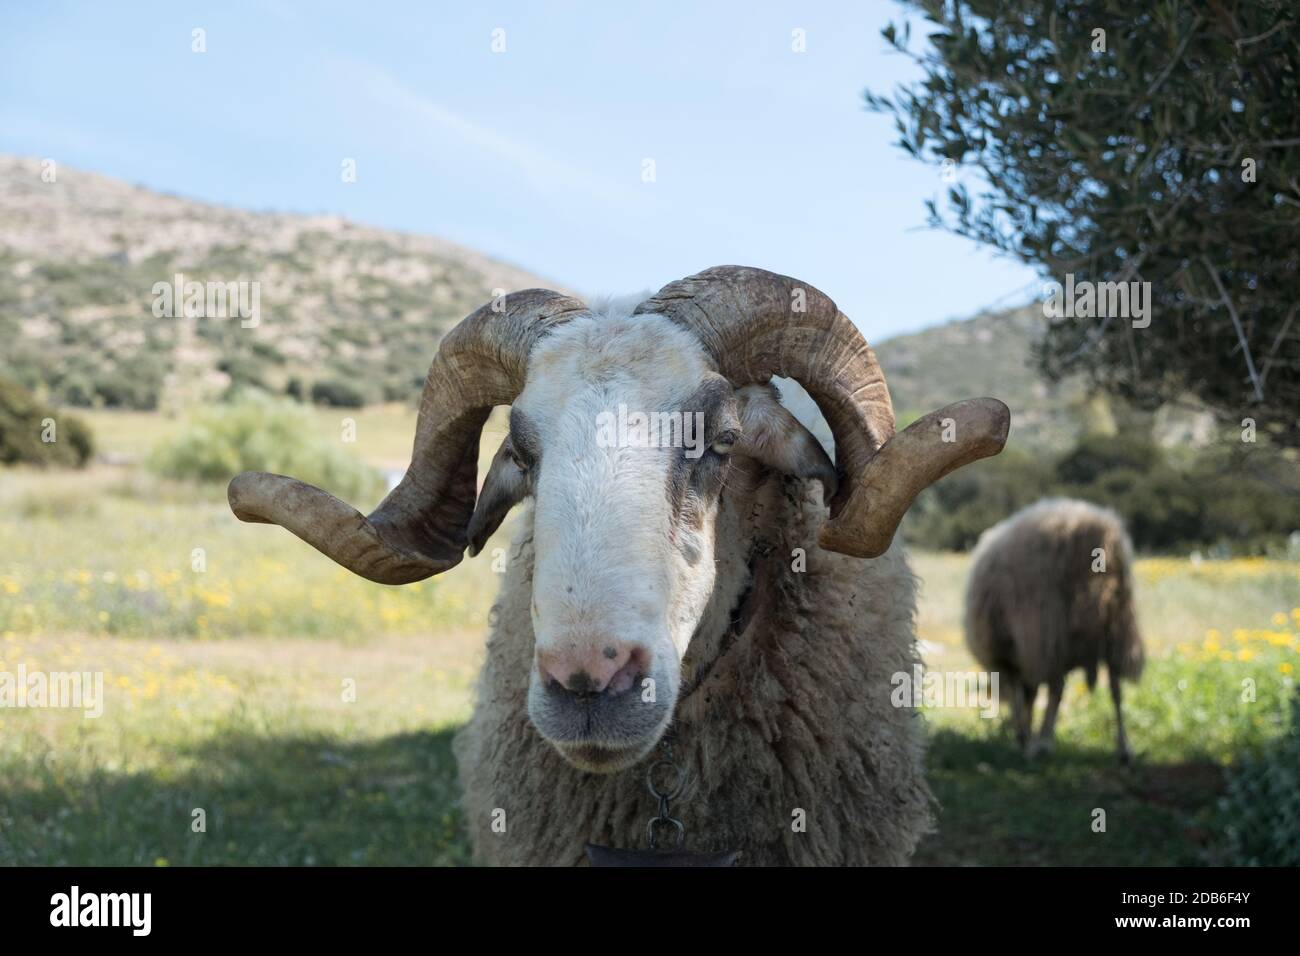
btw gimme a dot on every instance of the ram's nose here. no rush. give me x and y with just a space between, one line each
588 670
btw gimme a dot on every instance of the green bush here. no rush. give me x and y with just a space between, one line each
1096 455
23 430
122 388
338 394
950 515
1162 507
244 372
1261 809
1233 496
259 433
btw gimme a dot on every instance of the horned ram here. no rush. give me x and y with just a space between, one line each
737 612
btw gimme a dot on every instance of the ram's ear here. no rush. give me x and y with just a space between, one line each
504 487
770 434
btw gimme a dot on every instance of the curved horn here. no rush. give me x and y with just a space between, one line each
911 461
757 324
418 530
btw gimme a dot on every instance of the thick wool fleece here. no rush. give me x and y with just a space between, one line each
1036 609
794 753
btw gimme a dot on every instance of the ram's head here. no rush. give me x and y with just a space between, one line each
625 433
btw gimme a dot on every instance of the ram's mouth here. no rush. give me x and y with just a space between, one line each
595 758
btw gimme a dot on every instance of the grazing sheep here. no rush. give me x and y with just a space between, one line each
1051 589
686 577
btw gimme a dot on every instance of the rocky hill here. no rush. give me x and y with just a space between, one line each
350 310
989 354
347 314
992 354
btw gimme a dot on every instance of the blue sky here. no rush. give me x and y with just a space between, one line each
762 156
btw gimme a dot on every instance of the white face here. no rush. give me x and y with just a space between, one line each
624 435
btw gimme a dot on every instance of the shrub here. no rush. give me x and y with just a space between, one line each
950 515
259 433
1241 500
1262 813
22 430
1162 509
337 393
122 389
1096 455
243 371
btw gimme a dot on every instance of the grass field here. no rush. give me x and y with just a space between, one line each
308 714
383 432
1209 628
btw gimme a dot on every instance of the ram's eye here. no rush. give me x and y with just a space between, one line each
518 460
723 444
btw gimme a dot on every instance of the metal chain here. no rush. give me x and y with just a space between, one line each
665 797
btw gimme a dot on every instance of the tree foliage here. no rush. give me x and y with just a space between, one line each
35 434
1119 141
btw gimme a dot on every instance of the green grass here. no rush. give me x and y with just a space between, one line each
256 734
117 551
997 809
1189 726
224 691
383 432
100 555
1208 628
